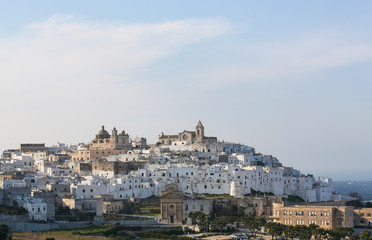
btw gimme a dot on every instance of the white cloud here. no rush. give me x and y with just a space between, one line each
67 70
64 53
292 58
58 46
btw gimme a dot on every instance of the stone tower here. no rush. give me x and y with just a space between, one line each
114 135
199 131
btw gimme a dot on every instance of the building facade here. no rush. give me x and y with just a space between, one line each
103 145
187 137
325 216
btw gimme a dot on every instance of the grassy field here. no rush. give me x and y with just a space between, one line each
55 235
99 232
88 233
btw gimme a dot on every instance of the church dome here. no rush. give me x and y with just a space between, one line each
102 133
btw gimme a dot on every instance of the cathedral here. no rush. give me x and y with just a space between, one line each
103 140
190 137
103 145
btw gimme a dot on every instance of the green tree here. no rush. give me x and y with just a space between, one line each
323 233
4 229
368 205
346 232
303 232
290 232
365 235
201 219
253 223
314 229
221 222
274 229
341 233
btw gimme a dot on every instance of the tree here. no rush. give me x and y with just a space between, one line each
303 232
201 219
233 220
221 222
365 235
323 233
341 233
253 223
274 229
368 205
345 232
4 229
314 229
290 232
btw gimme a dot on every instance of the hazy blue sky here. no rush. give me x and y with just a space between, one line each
291 78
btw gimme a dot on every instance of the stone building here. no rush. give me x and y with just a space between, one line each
104 141
84 168
103 145
49 199
84 205
187 137
171 205
175 206
59 190
325 215
102 167
363 217
32 147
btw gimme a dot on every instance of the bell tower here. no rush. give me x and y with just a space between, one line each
115 135
199 131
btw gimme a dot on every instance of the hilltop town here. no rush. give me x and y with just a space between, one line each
181 173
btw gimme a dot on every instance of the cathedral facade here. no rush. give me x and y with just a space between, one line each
103 145
189 137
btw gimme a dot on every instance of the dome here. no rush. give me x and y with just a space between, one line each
103 133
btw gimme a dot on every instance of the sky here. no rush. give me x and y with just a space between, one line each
290 78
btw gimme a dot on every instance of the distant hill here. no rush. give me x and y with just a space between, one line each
362 187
